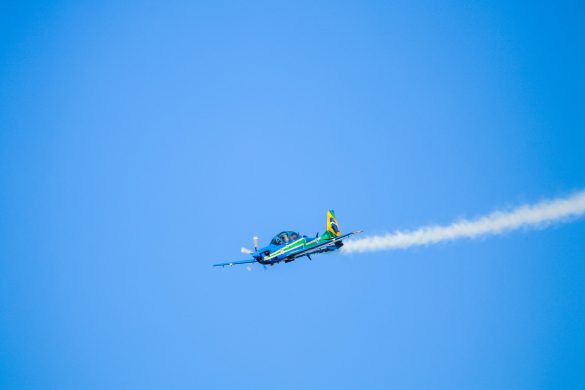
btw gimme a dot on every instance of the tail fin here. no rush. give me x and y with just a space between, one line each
332 225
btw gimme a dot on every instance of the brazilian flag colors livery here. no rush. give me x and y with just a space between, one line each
288 246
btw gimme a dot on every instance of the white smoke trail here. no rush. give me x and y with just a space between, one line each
499 222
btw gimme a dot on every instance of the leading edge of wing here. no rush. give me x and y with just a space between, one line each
235 263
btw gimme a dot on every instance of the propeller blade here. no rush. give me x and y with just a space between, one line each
246 251
255 238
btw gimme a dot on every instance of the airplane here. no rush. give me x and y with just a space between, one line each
288 246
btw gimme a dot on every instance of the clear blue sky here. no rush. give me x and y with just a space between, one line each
140 143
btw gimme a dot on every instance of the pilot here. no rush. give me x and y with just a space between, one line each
294 236
285 238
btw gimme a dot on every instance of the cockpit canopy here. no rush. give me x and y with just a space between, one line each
285 238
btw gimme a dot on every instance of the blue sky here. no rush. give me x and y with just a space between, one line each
140 143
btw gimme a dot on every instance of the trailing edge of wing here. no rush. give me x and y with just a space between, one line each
234 263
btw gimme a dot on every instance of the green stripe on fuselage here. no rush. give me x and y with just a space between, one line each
295 245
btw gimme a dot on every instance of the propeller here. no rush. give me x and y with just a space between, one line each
249 251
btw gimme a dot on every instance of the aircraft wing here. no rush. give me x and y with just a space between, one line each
316 248
235 263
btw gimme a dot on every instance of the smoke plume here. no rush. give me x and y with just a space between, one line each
499 222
